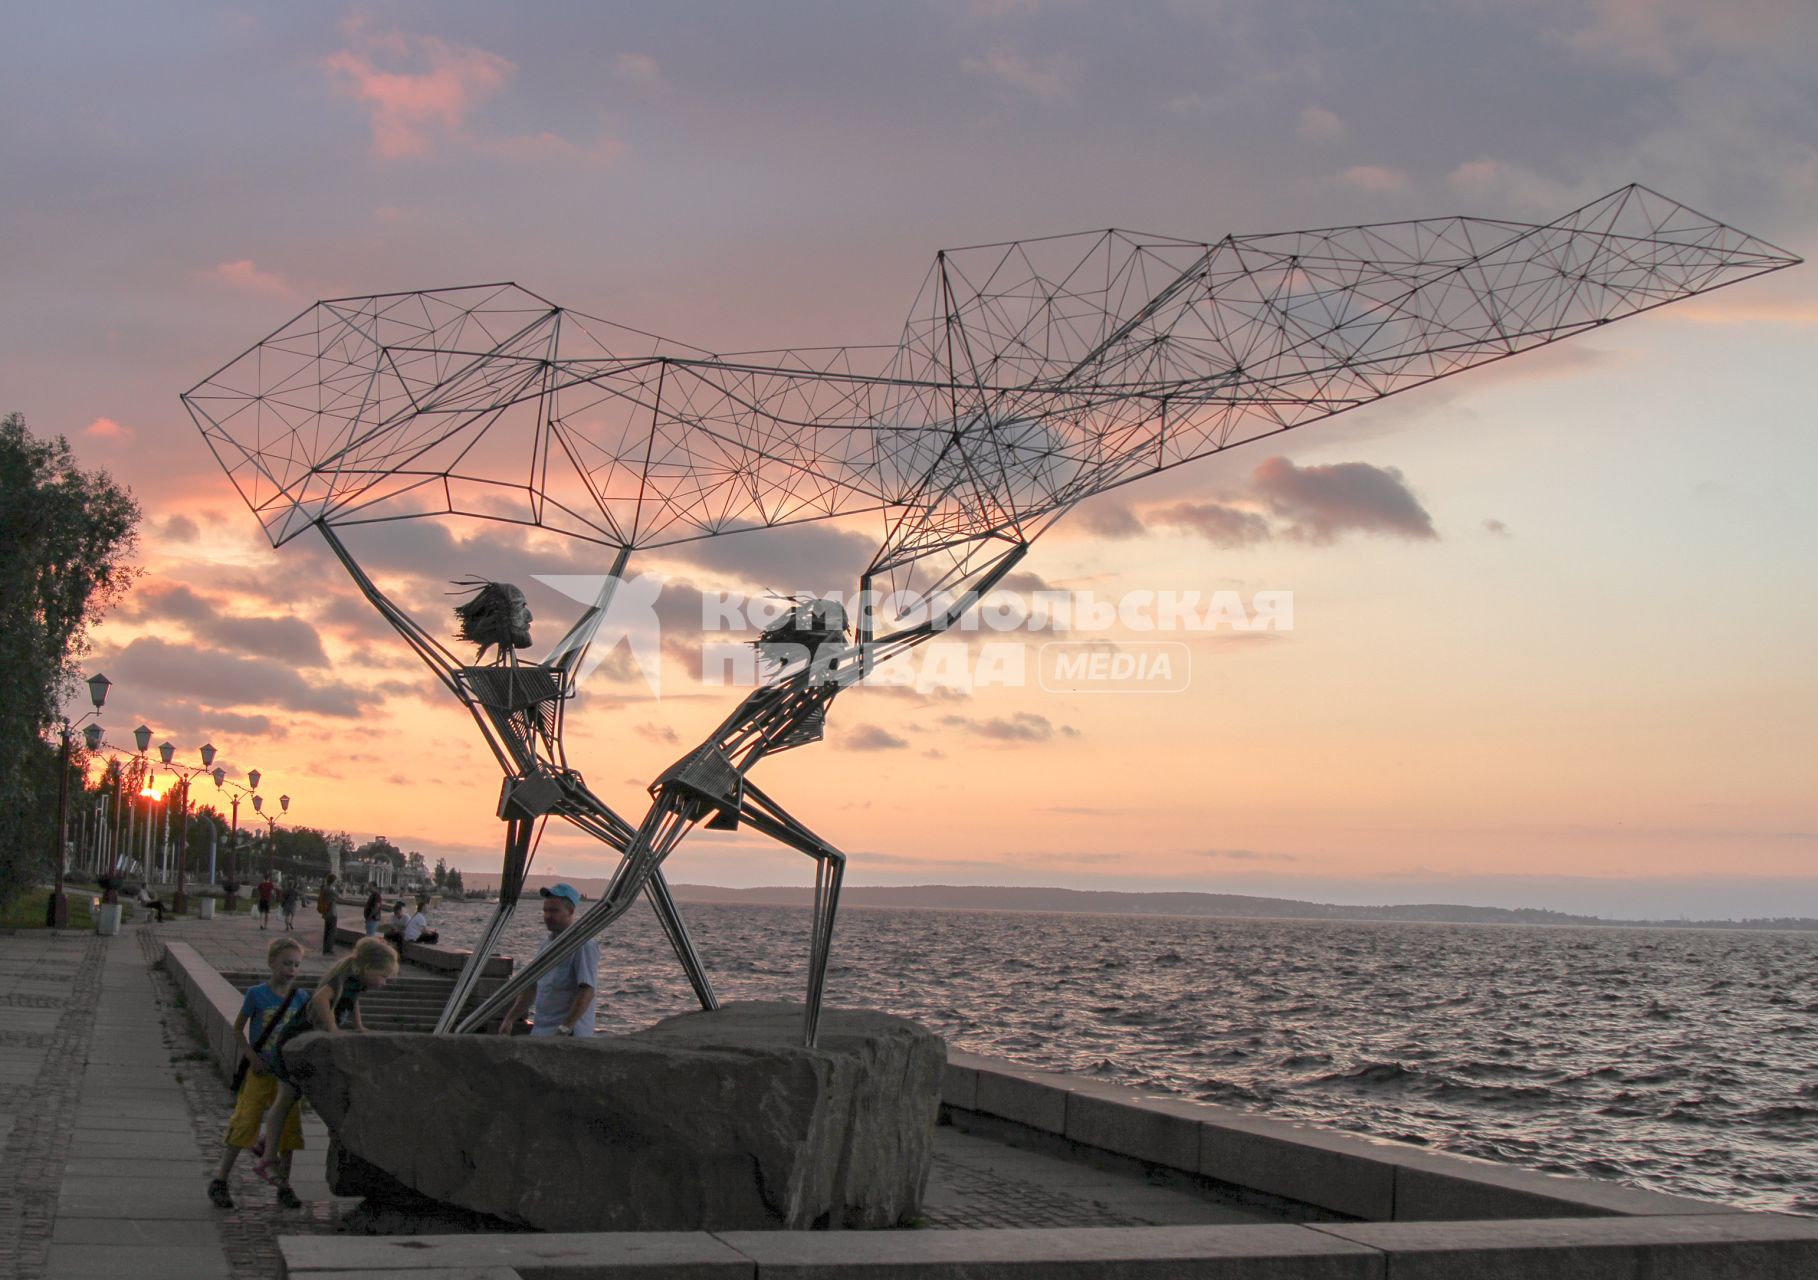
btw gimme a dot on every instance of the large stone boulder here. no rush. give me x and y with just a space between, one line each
707 1121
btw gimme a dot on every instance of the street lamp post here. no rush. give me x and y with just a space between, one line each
184 772
149 838
56 911
271 819
233 842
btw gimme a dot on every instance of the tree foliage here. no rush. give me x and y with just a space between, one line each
65 534
381 850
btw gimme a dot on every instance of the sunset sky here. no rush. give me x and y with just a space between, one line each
1552 620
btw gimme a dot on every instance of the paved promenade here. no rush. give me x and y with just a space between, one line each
111 1124
112 1119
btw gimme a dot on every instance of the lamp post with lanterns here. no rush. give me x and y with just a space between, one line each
271 819
234 792
148 793
56 911
167 752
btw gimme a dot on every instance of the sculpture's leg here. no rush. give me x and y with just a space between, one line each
669 818
766 815
518 833
589 813
657 890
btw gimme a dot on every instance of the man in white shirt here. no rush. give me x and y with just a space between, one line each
563 997
151 902
414 927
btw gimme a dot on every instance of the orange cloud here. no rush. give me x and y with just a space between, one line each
1731 311
439 84
107 429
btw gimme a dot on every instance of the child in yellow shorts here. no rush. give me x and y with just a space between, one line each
264 1014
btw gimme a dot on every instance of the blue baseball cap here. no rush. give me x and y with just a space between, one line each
565 891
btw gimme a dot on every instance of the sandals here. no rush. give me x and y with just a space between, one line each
267 1171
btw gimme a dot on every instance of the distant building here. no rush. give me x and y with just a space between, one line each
370 873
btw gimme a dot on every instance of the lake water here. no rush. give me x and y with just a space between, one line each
1678 1060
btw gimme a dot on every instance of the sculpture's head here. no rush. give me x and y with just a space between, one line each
495 614
800 632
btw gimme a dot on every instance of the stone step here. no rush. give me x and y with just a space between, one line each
410 1002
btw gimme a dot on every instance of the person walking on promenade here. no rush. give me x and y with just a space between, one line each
266 1011
292 900
374 906
334 1008
563 997
150 901
266 892
325 907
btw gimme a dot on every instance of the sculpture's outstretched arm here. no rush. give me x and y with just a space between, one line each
534 786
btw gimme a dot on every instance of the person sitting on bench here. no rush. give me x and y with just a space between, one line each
150 901
417 929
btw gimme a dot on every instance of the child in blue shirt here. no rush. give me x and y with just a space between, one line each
265 1015
334 1007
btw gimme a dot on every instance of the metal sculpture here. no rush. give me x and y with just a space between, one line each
1030 375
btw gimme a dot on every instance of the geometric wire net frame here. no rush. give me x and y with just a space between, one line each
1029 376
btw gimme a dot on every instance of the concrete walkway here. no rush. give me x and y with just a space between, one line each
111 1128
128 1201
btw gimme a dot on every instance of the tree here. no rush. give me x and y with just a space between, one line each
441 876
379 849
65 534
453 884
301 851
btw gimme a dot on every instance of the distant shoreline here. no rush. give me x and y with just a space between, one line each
1221 906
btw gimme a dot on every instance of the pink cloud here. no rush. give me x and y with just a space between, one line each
1374 178
107 429
1316 124
1045 79
435 88
639 72
243 273
1321 502
552 146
